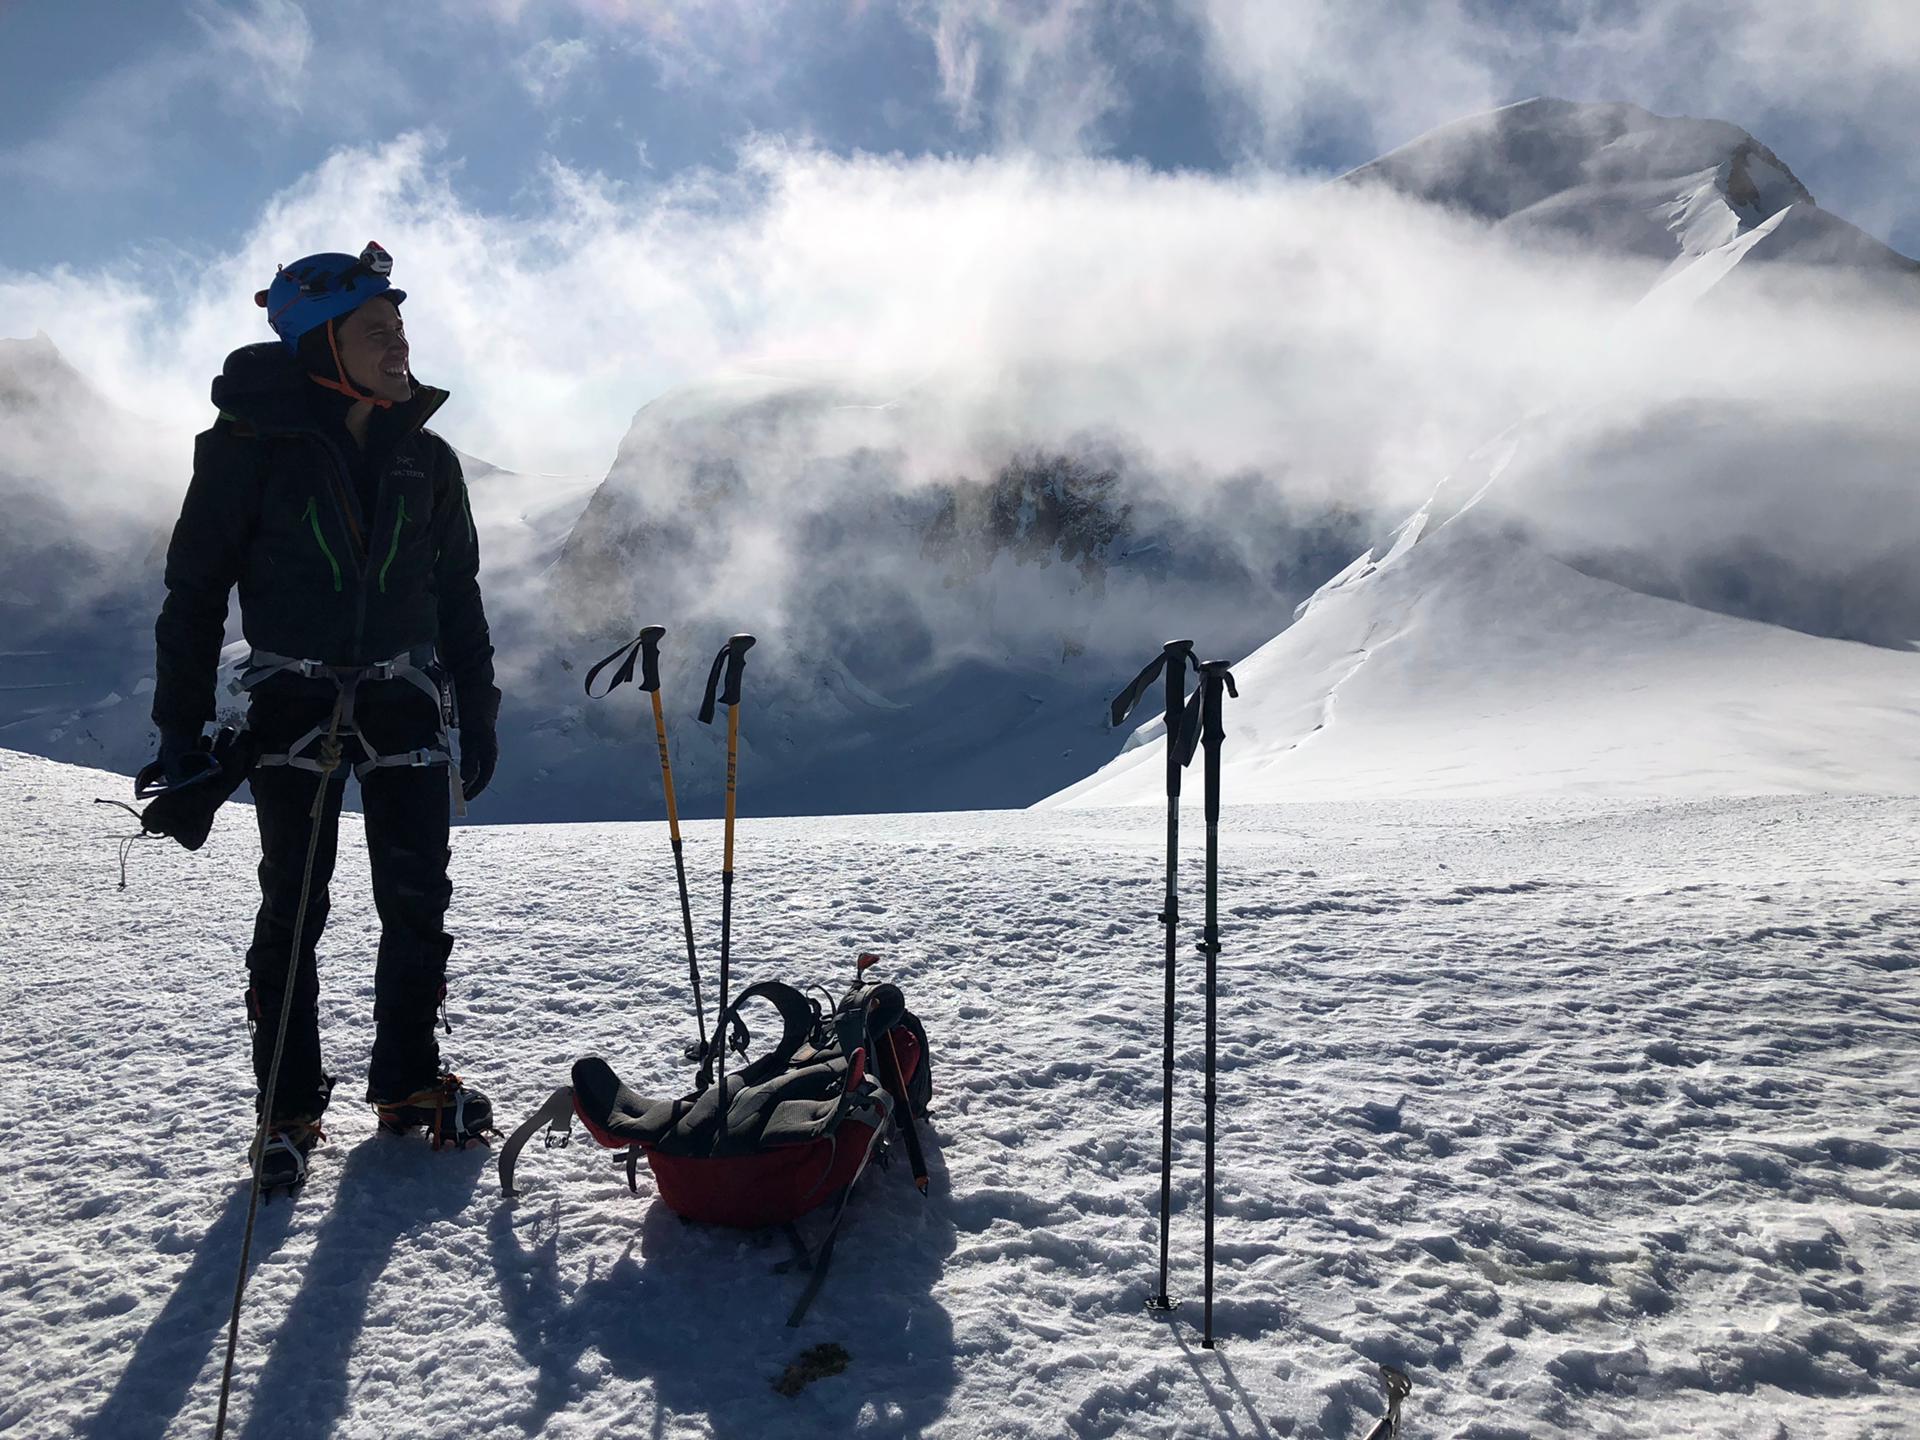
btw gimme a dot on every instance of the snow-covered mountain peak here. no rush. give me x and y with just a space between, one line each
1500 163
14 348
34 376
1612 176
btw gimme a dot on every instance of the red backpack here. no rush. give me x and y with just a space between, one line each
800 1124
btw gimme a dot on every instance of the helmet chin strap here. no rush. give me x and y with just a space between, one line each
344 386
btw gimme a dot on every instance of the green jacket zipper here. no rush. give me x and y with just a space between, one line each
360 570
312 516
428 400
393 549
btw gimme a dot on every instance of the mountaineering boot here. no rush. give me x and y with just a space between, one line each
290 1138
283 1166
453 1113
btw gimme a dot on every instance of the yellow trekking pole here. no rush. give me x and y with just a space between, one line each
733 660
646 648
650 682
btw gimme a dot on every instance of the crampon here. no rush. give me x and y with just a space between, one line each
452 1114
282 1162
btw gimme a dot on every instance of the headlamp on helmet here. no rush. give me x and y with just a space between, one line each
308 293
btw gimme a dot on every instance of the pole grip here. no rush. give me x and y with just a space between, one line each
1216 683
729 665
650 657
645 645
1187 743
1178 655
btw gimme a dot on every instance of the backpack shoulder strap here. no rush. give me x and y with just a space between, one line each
798 1017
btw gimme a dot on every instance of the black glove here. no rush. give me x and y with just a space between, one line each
184 758
479 752
180 752
478 706
190 781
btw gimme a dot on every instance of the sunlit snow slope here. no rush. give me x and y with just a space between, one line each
1462 661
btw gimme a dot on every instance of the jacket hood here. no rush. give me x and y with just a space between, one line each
265 387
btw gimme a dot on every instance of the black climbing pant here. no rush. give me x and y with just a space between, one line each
406 833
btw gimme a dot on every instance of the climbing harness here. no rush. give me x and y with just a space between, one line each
416 667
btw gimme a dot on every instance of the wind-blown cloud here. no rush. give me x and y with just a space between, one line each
1034 75
1341 345
1330 82
550 67
265 49
257 61
1397 69
1197 306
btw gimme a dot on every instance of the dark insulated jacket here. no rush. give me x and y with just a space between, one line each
272 509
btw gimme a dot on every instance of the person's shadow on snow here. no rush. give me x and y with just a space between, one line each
701 1314
389 1188
192 1324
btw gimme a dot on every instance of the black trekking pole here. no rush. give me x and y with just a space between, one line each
733 659
1174 658
646 648
1216 682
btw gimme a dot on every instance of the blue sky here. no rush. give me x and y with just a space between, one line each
171 126
131 129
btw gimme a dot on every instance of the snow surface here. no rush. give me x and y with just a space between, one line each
1460 660
1599 1117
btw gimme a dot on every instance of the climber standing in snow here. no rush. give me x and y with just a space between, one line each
345 523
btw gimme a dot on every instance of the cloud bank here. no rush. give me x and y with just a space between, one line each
1239 321
1332 345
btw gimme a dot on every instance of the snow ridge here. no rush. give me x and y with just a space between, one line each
1513 674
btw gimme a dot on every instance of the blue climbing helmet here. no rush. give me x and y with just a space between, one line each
308 293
